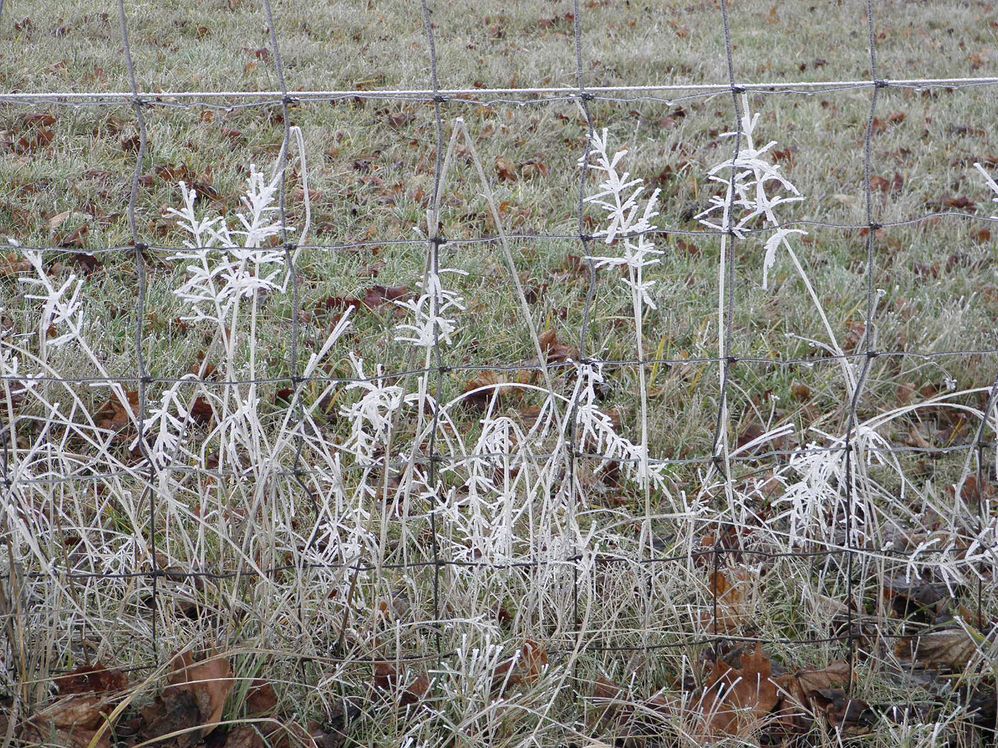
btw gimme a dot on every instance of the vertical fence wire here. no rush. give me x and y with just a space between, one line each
143 376
726 321
294 367
583 100
869 354
435 241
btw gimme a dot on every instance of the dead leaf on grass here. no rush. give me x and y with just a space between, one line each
736 591
12 264
261 699
852 717
407 690
210 681
949 649
112 415
87 695
505 169
555 351
736 701
523 669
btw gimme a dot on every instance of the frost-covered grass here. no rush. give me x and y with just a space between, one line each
298 526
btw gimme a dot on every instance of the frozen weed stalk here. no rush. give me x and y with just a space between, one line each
754 188
629 223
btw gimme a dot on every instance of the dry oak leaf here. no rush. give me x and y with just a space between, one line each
505 169
263 735
12 264
554 351
91 679
71 722
113 415
261 699
210 681
736 701
635 718
736 592
242 736
524 668
484 387
173 711
799 688
852 717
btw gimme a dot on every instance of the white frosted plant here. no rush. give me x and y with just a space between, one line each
597 434
990 182
430 324
371 416
227 263
628 223
62 317
167 423
629 215
62 310
754 189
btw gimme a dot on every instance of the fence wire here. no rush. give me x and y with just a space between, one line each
580 561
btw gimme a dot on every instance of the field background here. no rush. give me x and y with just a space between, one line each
66 175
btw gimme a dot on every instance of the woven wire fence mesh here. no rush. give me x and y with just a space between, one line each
269 530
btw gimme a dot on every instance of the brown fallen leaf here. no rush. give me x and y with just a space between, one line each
76 238
949 649
852 717
920 599
958 202
533 169
91 679
173 711
12 264
880 184
736 591
112 415
71 722
555 351
798 688
505 169
202 411
375 296
241 736
523 669
261 699
372 298
736 701
86 695
209 681
387 678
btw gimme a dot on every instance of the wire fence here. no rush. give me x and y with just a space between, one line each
725 539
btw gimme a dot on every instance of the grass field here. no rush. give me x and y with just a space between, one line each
274 515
